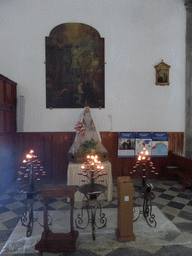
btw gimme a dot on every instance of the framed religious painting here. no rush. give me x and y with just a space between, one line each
74 67
162 73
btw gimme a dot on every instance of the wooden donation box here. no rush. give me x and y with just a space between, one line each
125 192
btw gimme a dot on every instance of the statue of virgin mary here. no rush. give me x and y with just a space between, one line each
87 139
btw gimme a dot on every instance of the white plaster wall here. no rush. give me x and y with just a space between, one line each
138 35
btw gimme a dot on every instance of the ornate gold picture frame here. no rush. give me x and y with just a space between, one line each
162 73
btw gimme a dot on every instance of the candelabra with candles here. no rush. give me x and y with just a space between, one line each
144 166
30 172
92 173
92 170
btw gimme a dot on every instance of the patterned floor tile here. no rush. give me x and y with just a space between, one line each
170 210
169 198
185 227
20 197
180 220
58 204
2 227
172 193
19 211
4 235
169 216
181 200
14 205
8 201
175 189
185 196
4 197
185 215
161 190
7 216
187 208
10 224
3 209
166 196
161 201
176 205
176 250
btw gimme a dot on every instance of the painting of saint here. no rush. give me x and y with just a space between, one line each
74 67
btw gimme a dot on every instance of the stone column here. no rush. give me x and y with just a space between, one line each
188 101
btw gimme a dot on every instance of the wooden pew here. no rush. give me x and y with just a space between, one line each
181 166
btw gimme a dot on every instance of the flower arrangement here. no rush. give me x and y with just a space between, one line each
88 145
80 128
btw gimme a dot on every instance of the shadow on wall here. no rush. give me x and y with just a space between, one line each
6 170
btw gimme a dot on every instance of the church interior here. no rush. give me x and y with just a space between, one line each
95 128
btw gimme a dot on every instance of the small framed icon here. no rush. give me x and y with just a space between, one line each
162 73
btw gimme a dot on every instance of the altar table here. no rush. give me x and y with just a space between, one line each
74 179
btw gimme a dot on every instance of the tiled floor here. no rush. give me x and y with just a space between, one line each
169 198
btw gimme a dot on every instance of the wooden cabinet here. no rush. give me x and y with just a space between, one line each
7 106
7 132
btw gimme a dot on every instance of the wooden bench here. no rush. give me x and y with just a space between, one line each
180 166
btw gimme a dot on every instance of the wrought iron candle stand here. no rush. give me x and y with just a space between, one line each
145 166
92 170
30 173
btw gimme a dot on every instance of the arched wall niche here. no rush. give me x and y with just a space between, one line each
74 67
